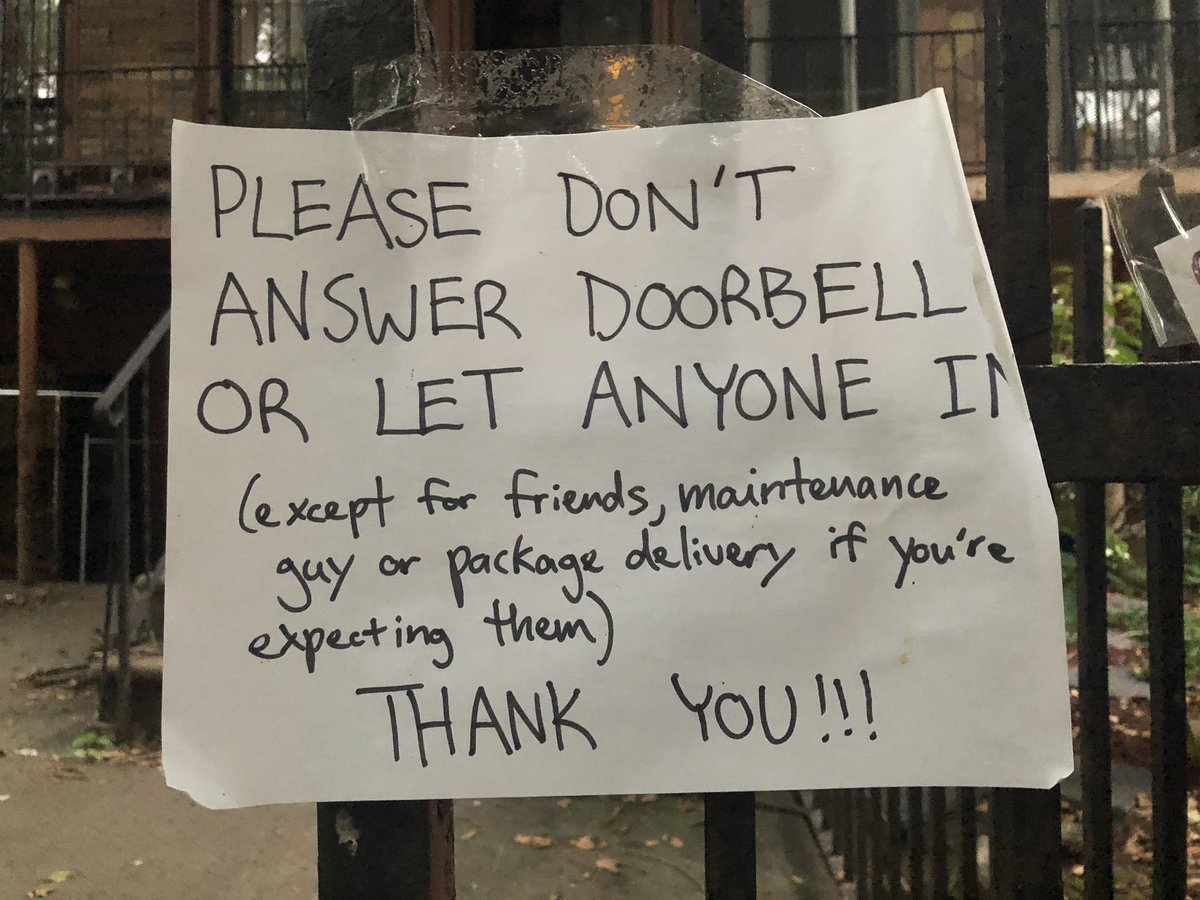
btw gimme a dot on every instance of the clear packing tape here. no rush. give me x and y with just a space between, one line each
1155 218
558 91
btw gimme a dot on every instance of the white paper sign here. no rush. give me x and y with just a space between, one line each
1180 258
689 458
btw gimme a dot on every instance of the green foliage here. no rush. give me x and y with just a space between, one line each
1134 622
92 746
1122 317
1125 573
1191 538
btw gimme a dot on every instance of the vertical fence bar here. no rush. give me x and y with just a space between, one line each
28 418
84 489
968 864
831 810
120 521
403 849
879 843
56 493
1000 848
1185 66
729 846
384 850
895 843
1168 684
862 846
1091 580
144 470
937 818
1168 701
1018 189
916 843
1068 149
850 864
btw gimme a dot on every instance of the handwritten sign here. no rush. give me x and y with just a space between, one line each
690 458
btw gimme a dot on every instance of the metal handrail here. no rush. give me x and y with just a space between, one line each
106 409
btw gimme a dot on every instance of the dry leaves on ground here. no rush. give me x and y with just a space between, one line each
539 841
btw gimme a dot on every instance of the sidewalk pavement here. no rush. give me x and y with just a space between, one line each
113 830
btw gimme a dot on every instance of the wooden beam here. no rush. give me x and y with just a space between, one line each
92 225
27 409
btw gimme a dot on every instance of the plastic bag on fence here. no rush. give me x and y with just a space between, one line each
1156 219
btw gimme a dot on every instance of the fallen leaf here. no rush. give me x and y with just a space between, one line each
563 803
469 835
41 892
676 841
27 751
137 862
583 843
608 864
648 798
798 880
540 841
652 842
60 875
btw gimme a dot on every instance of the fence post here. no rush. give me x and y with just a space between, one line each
1164 596
1018 206
27 409
1185 70
370 849
1168 688
729 846
1091 591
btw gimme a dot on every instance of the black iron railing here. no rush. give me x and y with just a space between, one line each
130 419
107 133
1114 94
959 842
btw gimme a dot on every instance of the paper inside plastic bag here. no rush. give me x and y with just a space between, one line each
1156 220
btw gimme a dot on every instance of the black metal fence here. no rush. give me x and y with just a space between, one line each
1114 103
130 415
958 842
1113 90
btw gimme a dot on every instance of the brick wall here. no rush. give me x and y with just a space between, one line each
955 63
